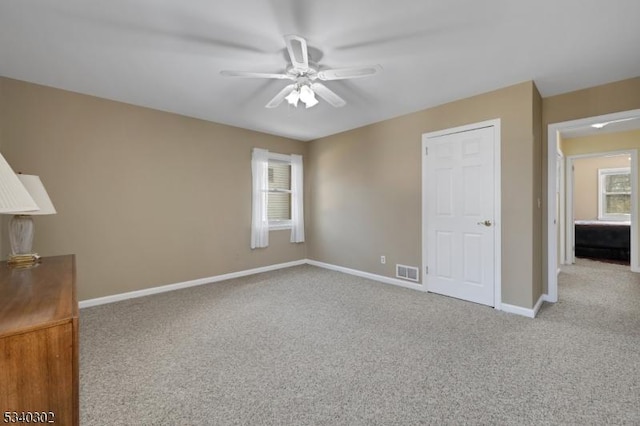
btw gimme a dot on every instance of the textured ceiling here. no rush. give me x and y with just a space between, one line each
168 54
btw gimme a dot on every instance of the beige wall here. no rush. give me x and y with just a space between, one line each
614 97
600 143
585 193
366 198
140 193
144 198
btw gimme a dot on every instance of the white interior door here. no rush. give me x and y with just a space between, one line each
460 202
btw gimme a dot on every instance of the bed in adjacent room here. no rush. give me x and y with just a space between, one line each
607 240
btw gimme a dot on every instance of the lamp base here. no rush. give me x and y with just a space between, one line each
21 239
23 260
21 230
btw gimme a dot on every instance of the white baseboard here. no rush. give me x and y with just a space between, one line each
518 310
374 277
547 298
170 287
525 312
530 313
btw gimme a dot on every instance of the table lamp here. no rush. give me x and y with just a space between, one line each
21 227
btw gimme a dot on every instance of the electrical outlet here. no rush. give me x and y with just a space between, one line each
383 259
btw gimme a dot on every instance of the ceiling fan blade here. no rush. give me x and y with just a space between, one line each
277 99
245 74
328 95
344 73
297 47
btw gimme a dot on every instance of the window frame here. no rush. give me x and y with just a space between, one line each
276 225
602 194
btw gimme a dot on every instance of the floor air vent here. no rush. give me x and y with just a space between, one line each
407 272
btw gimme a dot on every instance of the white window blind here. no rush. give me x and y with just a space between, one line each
279 200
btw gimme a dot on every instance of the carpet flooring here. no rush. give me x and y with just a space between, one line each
307 346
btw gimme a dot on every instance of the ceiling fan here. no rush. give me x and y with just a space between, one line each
305 75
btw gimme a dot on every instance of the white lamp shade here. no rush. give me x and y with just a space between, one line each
14 197
307 96
293 97
38 193
311 102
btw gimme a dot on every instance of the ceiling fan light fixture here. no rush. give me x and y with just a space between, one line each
304 75
293 97
312 102
307 96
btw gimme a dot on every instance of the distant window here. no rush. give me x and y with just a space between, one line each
614 194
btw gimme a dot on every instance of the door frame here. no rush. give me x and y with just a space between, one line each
497 214
561 211
553 130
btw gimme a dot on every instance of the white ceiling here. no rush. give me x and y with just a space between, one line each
613 127
168 54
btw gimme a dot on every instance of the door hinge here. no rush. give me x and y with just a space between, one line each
426 150
426 270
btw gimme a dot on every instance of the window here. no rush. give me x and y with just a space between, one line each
614 194
277 196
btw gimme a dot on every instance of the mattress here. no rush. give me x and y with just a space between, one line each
603 240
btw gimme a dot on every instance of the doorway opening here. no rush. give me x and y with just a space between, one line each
601 207
560 214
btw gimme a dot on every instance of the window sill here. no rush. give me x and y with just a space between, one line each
280 227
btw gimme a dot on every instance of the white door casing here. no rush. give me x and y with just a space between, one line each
460 196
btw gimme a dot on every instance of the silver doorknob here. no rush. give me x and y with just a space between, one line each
485 223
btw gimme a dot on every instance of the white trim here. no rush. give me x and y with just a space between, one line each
279 225
368 275
569 225
497 218
635 256
513 309
552 229
284 158
217 278
529 313
561 189
178 286
210 280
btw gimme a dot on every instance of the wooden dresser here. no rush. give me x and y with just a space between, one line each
39 342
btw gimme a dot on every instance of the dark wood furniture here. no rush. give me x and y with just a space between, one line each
39 340
603 241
